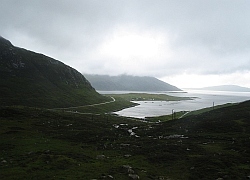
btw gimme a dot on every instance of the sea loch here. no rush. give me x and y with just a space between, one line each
202 99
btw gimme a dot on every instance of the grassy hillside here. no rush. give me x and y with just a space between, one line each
32 79
41 144
149 97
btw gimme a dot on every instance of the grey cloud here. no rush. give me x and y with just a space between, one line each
206 37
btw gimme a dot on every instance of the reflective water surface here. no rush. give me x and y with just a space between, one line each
202 99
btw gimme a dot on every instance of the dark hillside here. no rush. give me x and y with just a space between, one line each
129 83
210 145
32 79
230 119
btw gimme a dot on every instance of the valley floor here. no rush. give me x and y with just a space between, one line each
41 144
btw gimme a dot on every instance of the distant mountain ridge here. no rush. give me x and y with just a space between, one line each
31 79
128 83
227 88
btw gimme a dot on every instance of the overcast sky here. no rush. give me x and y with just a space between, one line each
187 43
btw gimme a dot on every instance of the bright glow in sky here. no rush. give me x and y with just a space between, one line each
126 44
185 43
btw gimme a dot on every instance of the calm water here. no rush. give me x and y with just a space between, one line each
203 99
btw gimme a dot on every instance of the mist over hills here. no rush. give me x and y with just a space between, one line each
227 88
128 83
32 79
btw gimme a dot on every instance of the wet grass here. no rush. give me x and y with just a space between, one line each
175 115
109 107
41 144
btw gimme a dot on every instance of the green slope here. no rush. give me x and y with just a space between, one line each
39 144
32 79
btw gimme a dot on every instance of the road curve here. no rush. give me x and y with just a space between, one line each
113 100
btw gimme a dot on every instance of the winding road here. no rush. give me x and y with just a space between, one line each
113 100
184 115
